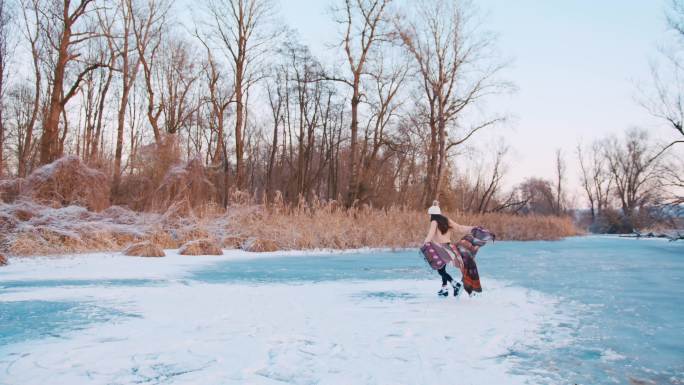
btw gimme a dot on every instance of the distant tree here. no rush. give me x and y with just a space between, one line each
538 195
478 187
596 179
561 168
636 172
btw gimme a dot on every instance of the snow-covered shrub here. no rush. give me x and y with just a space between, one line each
68 181
144 249
258 245
201 247
29 228
233 242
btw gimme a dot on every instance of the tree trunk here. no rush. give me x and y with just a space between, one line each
352 189
98 127
239 140
49 142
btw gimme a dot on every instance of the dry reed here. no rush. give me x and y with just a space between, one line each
329 225
31 229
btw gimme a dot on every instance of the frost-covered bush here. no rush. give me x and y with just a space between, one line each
28 228
144 249
258 245
68 181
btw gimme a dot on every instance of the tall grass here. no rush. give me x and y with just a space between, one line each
329 225
30 229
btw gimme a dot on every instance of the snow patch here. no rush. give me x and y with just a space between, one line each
610 355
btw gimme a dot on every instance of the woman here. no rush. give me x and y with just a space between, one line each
440 233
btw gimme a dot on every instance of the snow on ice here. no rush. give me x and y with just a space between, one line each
186 331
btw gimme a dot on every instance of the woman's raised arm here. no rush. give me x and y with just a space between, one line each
431 231
460 228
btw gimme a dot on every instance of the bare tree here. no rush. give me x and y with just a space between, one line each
595 178
478 188
65 28
274 90
219 99
118 28
25 141
240 27
673 180
665 100
107 76
387 78
298 107
6 37
635 170
561 168
95 90
538 195
177 74
492 188
149 22
365 26
451 56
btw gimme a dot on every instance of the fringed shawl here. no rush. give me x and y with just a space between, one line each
466 250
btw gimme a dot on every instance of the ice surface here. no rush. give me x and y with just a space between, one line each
340 332
589 310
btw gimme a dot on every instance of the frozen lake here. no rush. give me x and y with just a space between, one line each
591 310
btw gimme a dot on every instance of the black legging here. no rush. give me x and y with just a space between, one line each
445 276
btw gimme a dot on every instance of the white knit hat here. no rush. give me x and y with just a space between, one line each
434 209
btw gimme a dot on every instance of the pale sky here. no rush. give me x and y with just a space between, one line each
576 65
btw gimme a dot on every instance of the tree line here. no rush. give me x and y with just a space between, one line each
104 79
135 86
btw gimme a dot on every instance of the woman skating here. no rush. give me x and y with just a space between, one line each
440 233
